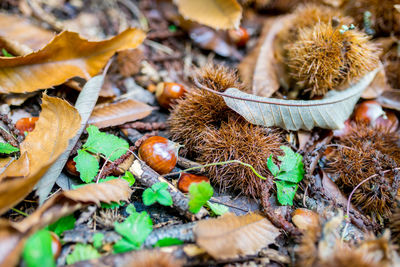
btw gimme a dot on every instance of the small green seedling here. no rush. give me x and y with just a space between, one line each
157 193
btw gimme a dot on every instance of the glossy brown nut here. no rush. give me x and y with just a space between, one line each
389 121
305 218
344 131
70 166
186 179
368 112
55 245
167 93
26 124
159 153
239 36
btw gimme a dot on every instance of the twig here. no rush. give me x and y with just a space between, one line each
148 177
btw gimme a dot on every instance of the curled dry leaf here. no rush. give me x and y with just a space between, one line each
13 235
231 236
58 122
218 14
66 56
328 113
20 37
390 99
118 113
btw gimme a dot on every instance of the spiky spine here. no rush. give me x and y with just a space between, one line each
364 152
324 58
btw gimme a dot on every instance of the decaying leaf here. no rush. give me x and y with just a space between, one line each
219 14
66 56
84 104
20 37
390 99
328 113
13 235
118 113
58 122
231 236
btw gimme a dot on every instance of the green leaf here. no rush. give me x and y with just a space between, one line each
134 230
81 252
290 160
87 165
128 176
168 241
293 176
285 192
199 194
98 240
63 224
5 53
6 148
37 250
111 146
112 205
130 209
272 166
217 209
158 192
149 197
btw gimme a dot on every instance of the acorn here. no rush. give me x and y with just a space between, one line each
55 245
305 218
239 36
70 167
186 179
159 153
168 93
26 124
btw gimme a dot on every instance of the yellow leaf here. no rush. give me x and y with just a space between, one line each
218 14
66 56
231 236
58 122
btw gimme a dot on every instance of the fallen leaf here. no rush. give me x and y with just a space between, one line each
13 235
377 86
58 122
298 114
218 14
267 70
66 56
118 113
21 36
231 236
84 104
129 61
390 99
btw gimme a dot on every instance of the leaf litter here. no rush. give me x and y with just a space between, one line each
305 208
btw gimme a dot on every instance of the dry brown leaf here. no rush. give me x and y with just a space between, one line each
13 235
377 86
58 122
118 113
129 61
218 14
267 71
21 36
231 236
390 99
66 56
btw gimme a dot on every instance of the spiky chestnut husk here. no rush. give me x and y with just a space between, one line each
394 226
201 111
385 19
363 152
324 58
152 259
239 140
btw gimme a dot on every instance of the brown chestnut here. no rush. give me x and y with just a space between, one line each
389 121
186 179
70 167
26 124
344 131
168 93
305 218
368 112
55 245
239 36
159 153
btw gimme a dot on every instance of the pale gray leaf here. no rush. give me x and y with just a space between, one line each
328 113
84 104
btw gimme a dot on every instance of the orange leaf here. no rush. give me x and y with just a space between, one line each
13 235
58 122
231 236
119 113
218 14
66 56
